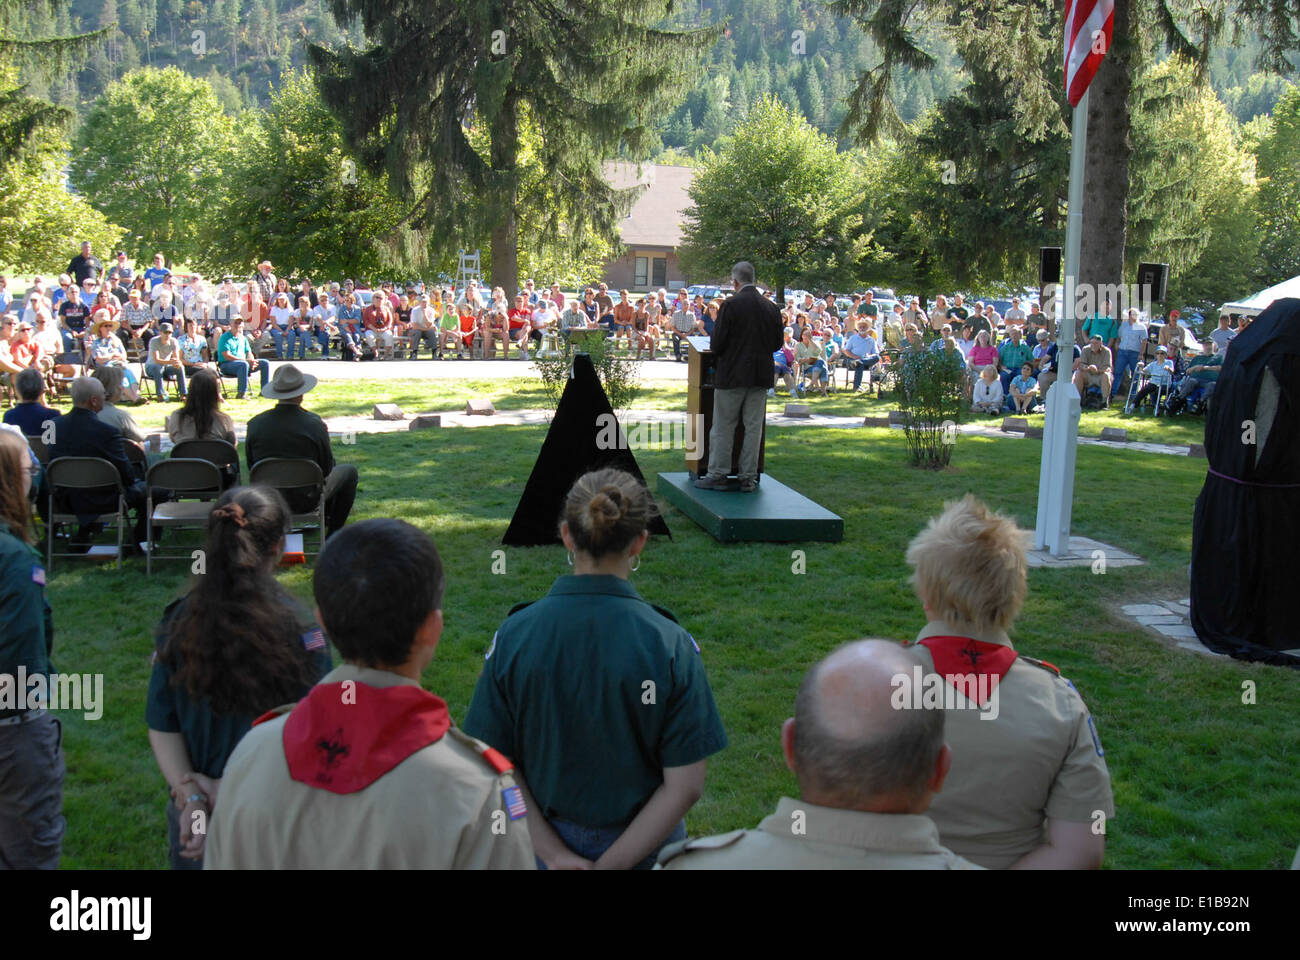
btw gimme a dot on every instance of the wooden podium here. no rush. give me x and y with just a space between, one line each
699 401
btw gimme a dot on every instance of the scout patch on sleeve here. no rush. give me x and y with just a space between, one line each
314 640
38 574
514 801
1096 740
488 655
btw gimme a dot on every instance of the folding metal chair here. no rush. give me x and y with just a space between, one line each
82 473
218 452
195 484
290 476
40 448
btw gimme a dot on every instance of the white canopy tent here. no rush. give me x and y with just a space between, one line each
1254 306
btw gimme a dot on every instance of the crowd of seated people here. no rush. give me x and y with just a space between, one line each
172 326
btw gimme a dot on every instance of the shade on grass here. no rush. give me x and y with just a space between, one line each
351 398
1201 779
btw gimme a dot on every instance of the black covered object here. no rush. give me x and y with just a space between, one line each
1246 529
569 451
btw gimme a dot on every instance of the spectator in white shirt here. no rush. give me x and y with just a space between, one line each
987 397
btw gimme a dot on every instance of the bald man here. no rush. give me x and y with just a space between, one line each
866 772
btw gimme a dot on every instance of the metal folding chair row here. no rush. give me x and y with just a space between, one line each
82 473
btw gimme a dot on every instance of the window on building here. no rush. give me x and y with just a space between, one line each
642 276
661 272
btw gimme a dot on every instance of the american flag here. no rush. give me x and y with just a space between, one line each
314 640
1089 25
514 799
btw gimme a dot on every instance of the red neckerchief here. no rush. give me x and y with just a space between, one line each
344 739
955 658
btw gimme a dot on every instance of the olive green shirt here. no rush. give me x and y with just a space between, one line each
592 691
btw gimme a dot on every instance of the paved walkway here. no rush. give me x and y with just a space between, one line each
425 369
458 418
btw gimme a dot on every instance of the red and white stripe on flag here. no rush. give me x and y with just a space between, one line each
1089 25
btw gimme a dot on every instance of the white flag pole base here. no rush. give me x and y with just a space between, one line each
1056 473
1061 429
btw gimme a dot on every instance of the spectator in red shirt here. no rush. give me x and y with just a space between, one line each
378 319
519 320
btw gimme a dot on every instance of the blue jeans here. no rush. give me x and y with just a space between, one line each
1124 360
323 338
859 366
299 339
278 336
591 842
240 369
160 373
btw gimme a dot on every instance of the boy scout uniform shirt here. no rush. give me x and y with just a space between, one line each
1039 759
831 839
26 623
449 805
592 691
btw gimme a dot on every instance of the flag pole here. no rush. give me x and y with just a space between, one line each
1061 425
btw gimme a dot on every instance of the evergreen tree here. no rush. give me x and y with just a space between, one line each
595 75
995 37
22 113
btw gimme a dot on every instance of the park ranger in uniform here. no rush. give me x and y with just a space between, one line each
866 770
1029 786
368 771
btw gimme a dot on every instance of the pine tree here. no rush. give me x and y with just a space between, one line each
996 37
22 113
594 75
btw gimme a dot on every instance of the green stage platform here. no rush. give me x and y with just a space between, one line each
773 512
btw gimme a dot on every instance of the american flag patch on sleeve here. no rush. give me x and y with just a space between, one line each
314 640
38 574
514 801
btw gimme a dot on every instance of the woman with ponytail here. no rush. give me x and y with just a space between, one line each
235 646
599 697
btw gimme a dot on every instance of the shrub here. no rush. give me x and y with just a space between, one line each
932 394
620 376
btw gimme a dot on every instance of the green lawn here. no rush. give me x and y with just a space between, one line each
335 398
1200 779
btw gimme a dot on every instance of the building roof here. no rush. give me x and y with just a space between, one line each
656 217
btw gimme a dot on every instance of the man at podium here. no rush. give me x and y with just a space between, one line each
747 332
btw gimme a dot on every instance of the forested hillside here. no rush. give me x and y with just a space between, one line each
795 49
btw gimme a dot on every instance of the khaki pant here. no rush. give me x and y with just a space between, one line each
1084 379
747 405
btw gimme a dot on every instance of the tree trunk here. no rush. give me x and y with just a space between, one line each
505 231
1105 178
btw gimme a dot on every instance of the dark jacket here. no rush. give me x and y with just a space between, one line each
287 430
80 433
747 333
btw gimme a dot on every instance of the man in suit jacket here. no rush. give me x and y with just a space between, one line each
748 331
80 433
287 430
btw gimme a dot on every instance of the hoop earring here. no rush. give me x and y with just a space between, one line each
570 558
636 563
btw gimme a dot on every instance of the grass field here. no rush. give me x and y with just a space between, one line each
1200 779
334 398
